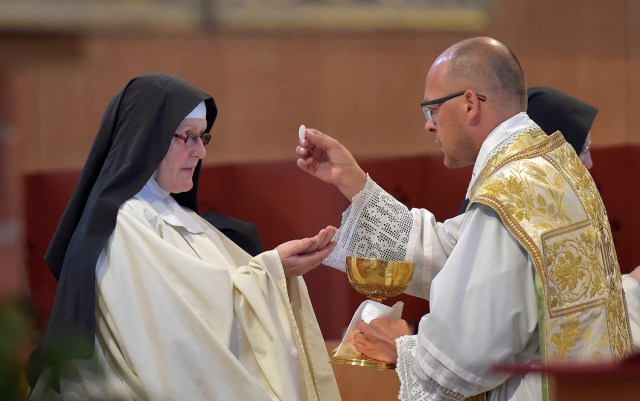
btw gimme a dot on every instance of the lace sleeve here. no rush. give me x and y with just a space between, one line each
375 225
415 385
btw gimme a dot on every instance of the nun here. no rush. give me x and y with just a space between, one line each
153 302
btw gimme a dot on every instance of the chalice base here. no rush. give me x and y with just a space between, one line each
362 360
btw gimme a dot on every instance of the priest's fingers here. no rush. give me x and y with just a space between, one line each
375 349
378 338
314 139
328 160
388 330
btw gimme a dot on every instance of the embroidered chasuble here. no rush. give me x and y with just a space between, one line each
547 199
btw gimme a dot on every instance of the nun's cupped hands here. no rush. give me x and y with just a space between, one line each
303 255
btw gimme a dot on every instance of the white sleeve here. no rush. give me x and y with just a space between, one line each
415 385
632 294
483 312
376 225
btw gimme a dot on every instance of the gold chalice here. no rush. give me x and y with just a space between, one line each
377 279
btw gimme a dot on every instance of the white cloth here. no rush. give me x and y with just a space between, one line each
191 316
480 283
632 295
200 111
367 311
168 209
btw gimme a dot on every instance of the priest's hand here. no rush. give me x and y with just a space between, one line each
303 255
328 160
377 339
635 274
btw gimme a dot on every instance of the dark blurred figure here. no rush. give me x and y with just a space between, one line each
242 233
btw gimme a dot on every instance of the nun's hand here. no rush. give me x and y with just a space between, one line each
303 255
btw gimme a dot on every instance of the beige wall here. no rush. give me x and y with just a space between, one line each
363 88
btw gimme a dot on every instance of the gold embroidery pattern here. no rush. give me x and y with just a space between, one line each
585 188
525 141
576 280
566 337
555 212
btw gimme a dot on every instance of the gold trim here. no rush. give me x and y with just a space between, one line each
364 362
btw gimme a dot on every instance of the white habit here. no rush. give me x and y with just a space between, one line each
183 313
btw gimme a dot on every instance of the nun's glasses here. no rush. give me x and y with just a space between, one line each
190 138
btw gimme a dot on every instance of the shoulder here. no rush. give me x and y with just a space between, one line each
138 210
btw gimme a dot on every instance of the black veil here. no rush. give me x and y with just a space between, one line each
555 111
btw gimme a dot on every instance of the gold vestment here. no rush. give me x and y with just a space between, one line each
548 200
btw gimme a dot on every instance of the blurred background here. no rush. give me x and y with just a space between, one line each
353 69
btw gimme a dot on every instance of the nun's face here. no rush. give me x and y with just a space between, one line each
175 172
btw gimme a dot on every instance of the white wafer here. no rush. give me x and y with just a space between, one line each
301 131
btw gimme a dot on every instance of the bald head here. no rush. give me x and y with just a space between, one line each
489 67
470 89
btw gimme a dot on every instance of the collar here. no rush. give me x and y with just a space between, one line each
502 135
167 208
